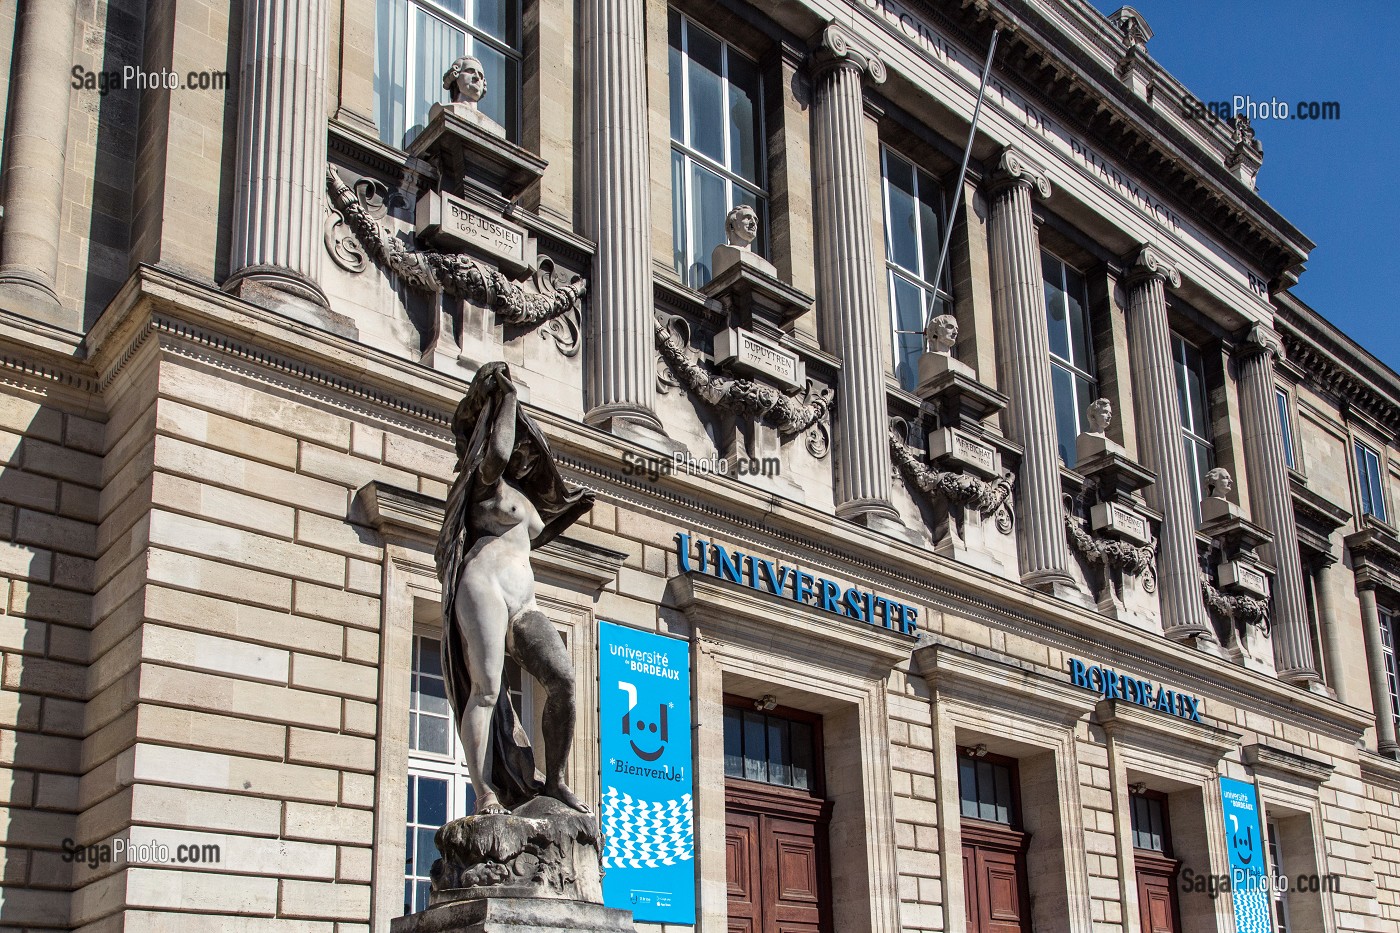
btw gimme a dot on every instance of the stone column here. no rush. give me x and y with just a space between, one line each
280 205
1271 505
617 215
1386 742
1159 446
848 304
1023 362
1332 634
34 162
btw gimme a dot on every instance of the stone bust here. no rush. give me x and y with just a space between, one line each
1219 483
942 333
465 81
1099 415
741 227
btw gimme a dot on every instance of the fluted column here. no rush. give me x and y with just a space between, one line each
1159 442
1386 742
280 205
1333 638
34 161
1271 505
848 301
1023 359
621 367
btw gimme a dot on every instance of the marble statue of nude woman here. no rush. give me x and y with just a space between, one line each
508 498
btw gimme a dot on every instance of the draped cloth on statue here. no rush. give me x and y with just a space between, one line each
530 469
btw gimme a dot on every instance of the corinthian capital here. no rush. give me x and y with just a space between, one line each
1014 168
835 47
1262 340
1147 262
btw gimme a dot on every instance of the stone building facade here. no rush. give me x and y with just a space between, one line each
237 314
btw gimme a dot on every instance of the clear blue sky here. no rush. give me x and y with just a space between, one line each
1338 181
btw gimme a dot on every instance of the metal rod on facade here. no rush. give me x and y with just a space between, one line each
962 174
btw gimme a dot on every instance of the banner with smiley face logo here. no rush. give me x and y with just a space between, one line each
647 807
1249 877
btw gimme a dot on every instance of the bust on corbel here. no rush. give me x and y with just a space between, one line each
747 285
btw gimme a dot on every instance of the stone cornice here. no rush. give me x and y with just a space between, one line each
1337 364
991 682
1317 519
1134 725
1277 763
1375 558
1378 769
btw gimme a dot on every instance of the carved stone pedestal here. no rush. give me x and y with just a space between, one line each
515 915
534 869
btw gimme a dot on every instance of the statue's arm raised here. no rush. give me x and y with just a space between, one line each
501 444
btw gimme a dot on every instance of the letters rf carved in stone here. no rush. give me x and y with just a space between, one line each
529 837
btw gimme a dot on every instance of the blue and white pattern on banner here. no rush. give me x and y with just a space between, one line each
648 811
1249 876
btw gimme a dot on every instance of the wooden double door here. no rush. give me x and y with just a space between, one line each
777 860
994 878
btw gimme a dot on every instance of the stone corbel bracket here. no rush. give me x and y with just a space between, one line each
453 274
990 499
790 415
1246 610
1125 557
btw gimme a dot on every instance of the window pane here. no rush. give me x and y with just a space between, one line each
1285 427
708 204
455 7
496 18
901 239
1052 272
706 94
755 747
432 802
1003 793
930 224
432 697
744 141
986 792
733 744
391 70
907 302
802 754
438 46
429 655
677 76
1066 413
432 735
779 761
1077 310
967 787
678 222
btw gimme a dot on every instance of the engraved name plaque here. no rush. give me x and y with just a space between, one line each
1125 523
1240 576
452 222
748 353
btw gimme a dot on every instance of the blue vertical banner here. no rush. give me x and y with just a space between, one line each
1244 841
645 750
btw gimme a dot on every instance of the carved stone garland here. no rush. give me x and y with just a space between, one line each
1123 556
455 274
679 365
987 498
1243 609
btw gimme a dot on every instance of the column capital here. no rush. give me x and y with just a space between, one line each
1014 168
1261 341
835 47
1147 262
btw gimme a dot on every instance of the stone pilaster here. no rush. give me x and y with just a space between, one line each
1386 742
1159 445
848 300
1271 505
1023 363
621 352
35 147
280 204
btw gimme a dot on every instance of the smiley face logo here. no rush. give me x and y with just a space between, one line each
636 727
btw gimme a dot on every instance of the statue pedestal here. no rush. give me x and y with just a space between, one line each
515 915
536 869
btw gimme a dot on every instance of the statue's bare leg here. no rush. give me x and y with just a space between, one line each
536 645
482 623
